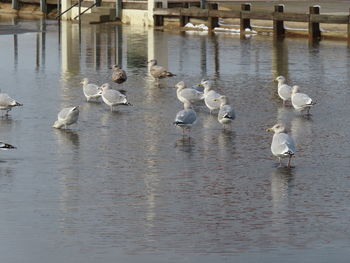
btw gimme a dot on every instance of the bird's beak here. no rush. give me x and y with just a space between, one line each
200 85
269 130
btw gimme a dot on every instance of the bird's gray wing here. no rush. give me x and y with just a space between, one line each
91 89
6 100
301 100
115 97
282 144
191 95
63 114
188 116
285 92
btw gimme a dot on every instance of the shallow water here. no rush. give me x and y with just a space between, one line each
125 186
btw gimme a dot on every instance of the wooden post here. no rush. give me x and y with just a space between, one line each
349 31
183 20
203 4
278 25
314 28
212 21
159 20
43 6
118 9
15 4
245 22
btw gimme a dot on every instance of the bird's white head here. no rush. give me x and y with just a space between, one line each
277 128
180 85
116 66
105 86
281 79
295 89
85 81
223 99
152 62
206 84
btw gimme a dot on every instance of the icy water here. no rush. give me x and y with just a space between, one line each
125 186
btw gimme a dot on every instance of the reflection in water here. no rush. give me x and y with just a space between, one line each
301 131
185 144
280 58
65 137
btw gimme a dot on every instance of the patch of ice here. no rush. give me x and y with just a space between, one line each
201 26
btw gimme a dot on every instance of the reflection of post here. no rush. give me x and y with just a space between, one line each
70 61
157 48
216 55
279 58
37 51
15 48
203 61
119 46
43 40
97 46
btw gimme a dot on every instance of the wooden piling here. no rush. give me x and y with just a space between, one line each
245 22
203 4
349 30
278 25
314 27
43 6
183 19
158 20
15 4
212 21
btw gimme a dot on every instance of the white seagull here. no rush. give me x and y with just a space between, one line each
284 90
226 113
186 117
210 96
158 72
113 97
7 103
91 91
188 94
283 145
301 101
67 116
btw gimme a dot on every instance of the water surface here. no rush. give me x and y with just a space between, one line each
125 186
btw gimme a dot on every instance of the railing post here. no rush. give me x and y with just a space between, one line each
245 22
278 25
183 19
43 6
158 20
15 4
203 4
212 21
349 31
118 9
314 28
98 2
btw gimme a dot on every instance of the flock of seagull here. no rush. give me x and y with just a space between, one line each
282 146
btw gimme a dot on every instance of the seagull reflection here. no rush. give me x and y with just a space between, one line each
285 114
301 131
185 144
226 142
281 185
67 136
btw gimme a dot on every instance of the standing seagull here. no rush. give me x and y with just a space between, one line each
67 116
7 103
158 72
301 101
282 145
210 96
188 94
186 117
91 91
284 91
113 97
226 113
118 75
